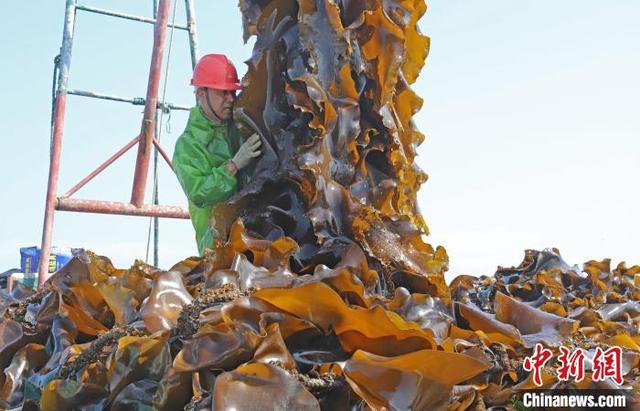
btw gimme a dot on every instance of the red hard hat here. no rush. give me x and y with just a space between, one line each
215 71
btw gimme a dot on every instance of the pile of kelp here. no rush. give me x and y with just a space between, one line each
238 329
325 294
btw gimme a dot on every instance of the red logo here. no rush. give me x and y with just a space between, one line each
608 364
536 361
571 364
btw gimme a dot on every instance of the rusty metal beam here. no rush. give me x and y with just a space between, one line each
118 208
56 140
149 119
100 168
163 153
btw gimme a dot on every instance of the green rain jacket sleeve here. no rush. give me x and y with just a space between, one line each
203 176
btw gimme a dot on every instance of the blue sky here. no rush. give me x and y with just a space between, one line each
530 114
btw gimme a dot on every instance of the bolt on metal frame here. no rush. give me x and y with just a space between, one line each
145 139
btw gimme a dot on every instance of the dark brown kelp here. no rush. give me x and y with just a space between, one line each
328 91
325 295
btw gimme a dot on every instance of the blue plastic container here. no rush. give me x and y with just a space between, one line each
30 258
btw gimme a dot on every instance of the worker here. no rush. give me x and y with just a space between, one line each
208 155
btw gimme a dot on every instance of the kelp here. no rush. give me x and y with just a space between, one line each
323 292
323 341
318 343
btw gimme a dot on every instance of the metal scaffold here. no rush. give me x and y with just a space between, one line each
147 140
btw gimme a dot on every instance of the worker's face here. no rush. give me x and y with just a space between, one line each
217 104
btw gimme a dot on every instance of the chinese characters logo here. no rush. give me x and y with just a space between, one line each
606 364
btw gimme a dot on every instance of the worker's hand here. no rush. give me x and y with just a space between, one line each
247 151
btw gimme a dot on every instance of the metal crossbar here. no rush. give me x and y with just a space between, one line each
145 140
126 16
136 101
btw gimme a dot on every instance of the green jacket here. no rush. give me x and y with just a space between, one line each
199 160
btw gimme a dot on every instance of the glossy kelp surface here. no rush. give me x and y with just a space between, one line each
225 334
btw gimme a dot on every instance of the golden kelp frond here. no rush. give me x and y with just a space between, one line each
418 380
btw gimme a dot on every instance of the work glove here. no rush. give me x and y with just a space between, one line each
249 150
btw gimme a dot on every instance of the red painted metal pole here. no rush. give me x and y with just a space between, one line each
52 188
113 207
149 119
163 153
104 165
56 143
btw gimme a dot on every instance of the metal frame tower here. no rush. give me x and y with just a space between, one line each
146 139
